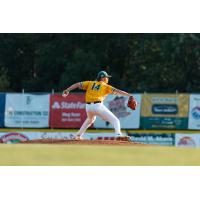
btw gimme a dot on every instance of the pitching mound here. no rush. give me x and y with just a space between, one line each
84 142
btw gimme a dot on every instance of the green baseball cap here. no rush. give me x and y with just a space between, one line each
103 74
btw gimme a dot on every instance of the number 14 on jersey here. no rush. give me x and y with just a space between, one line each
96 87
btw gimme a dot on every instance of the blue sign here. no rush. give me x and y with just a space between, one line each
2 109
163 139
165 109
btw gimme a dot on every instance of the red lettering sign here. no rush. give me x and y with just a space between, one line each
67 112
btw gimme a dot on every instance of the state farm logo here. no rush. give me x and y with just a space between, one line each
196 112
68 105
56 105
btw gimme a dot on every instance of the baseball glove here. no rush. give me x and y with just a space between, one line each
132 103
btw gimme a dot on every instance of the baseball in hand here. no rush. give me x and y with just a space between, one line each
65 94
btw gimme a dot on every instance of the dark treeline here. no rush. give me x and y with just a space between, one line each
137 62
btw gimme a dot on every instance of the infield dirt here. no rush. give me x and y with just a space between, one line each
84 142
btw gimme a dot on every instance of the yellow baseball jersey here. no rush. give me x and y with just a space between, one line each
96 90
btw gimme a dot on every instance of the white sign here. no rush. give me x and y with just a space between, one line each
187 140
194 112
118 106
27 110
15 137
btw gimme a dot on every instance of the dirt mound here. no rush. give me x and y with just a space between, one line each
84 142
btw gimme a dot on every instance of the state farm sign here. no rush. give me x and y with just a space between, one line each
66 105
67 112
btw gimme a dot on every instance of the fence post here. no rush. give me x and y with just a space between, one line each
145 106
177 103
22 123
52 92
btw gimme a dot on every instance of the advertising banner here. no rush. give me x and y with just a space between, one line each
118 105
163 139
27 110
67 112
2 109
194 113
187 140
164 111
15 137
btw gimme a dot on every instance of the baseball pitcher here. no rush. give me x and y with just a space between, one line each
96 92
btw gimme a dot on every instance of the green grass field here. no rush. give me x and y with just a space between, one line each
93 155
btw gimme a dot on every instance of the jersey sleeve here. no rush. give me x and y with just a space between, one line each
110 89
84 85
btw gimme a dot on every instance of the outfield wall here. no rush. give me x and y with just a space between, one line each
161 138
155 111
17 136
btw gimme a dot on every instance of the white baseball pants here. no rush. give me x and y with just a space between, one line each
102 111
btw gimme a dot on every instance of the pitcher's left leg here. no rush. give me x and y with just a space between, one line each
107 115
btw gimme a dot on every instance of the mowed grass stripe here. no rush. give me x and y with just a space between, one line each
96 155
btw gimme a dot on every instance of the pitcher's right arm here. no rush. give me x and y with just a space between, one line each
72 87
